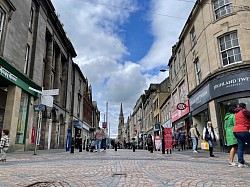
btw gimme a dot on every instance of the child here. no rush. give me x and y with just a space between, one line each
4 144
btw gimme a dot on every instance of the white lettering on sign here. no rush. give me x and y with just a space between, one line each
232 82
7 74
181 106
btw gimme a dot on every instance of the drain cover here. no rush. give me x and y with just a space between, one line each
48 184
119 174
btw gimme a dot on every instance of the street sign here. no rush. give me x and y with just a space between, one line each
50 92
39 107
47 100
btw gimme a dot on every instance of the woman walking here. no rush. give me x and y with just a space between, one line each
231 141
241 131
210 136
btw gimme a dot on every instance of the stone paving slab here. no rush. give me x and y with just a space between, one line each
123 168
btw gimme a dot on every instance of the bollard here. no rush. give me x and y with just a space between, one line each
84 141
72 147
133 147
151 149
115 147
87 146
80 144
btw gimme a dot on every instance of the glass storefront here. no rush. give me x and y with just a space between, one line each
22 119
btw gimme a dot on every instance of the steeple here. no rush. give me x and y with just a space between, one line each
121 111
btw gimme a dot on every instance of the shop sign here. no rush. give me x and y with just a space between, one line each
168 138
220 87
5 73
230 84
181 106
158 142
200 98
177 114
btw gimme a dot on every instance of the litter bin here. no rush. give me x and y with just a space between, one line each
80 144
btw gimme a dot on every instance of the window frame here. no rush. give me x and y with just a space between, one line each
2 19
227 7
26 60
228 46
193 36
197 68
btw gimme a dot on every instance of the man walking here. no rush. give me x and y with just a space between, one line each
194 136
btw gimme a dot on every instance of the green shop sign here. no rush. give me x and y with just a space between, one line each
13 76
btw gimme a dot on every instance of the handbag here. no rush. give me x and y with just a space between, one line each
204 145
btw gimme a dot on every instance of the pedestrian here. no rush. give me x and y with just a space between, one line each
197 138
182 140
194 136
98 139
149 142
4 144
210 136
176 139
104 140
231 141
241 131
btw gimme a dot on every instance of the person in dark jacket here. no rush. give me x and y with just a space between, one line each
210 136
231 141
241 131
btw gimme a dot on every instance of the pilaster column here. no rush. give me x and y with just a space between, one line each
58 75
48 65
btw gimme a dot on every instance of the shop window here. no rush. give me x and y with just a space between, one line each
230 49
222 8
22 119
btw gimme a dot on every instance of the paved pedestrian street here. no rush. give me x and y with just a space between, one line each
120 168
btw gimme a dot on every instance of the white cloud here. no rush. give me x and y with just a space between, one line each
167 24
93 29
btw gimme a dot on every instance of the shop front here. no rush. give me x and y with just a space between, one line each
214 100
15 105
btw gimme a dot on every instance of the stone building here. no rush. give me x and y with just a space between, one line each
216 43
35 53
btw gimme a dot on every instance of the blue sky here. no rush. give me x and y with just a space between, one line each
122 45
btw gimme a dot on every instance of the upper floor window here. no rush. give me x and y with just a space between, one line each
197 68
31 18
222 8
26 63
1 22
230 49
193 36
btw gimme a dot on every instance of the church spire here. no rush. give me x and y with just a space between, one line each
121 111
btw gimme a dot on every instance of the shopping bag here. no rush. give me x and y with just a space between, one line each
204 145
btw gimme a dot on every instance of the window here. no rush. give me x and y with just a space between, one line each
197 71
230 49
31 18
1 22
193 36
222 8
26 63
180 58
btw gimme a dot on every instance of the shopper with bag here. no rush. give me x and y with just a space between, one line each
210 136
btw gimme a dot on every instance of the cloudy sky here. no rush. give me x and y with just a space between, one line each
121 45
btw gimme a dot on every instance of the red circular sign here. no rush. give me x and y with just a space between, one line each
181 106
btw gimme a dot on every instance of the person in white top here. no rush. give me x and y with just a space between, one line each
210 136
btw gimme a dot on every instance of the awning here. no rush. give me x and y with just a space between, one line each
78 124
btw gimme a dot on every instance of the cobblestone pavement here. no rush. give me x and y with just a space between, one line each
57 168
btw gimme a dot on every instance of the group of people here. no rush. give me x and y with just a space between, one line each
237 127
100 139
